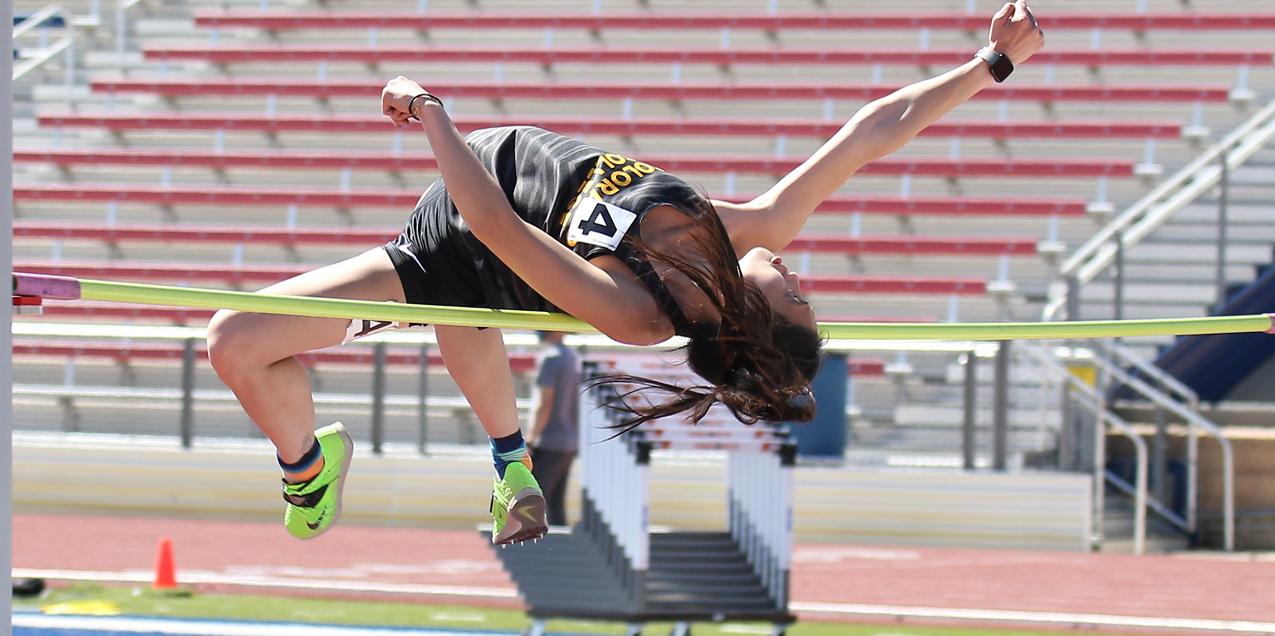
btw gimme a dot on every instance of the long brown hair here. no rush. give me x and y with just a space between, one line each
758 365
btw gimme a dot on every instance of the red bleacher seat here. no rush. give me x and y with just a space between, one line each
676 92
915 245
183 315
892 319
416 162
406 199
124 353
160 195
896 245
794 21
265 274
204 234
909 285
158 271
717 56
613 126
95 310
951 206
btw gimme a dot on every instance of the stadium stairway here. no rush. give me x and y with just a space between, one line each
1173 272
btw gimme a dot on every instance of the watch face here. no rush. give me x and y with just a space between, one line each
1001 68
997 63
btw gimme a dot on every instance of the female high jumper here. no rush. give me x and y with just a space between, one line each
528 219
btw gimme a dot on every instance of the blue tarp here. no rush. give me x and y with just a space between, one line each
1214 365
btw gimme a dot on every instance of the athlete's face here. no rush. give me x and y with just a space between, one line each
782 288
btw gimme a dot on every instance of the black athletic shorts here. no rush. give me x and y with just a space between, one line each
435 256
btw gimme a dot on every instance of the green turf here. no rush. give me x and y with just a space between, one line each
143 601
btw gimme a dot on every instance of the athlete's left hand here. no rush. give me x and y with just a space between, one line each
396 97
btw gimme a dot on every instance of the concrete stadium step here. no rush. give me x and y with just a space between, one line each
919 440
1096 307
1118 528
1252 234
1203 250
1155 293
1202 274
1021 416
1204 212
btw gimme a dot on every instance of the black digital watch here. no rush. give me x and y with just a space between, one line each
998 63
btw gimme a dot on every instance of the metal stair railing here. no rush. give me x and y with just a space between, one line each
1096 403
65 45
1194 422
1170 385
121 35
1166 200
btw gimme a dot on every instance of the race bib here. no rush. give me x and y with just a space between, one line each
598 223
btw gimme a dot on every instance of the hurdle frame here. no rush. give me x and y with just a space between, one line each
628 572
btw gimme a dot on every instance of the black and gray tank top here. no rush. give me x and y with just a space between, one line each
586 198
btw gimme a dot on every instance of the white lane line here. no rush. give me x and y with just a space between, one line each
188 577
212 628
1035 617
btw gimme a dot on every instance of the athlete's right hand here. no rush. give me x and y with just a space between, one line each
1014 32
396 97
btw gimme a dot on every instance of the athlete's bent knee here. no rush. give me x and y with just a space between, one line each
229 346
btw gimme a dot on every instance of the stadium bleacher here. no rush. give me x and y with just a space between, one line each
283 122
240 87
806 20
189 149
366 236
234 40
401 200
951 168
225 55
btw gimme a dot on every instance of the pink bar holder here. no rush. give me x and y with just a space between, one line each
1272 329
54 287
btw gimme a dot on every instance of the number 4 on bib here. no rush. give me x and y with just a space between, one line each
599 223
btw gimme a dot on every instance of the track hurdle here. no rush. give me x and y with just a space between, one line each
612 566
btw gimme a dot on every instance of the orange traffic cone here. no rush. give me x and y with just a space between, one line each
165 575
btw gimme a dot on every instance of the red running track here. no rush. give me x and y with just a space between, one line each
1190 586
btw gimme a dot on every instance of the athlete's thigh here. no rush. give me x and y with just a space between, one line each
272 337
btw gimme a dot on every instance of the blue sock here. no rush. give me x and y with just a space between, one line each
506 450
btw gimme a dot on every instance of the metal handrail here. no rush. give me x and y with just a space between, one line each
66 44
121 8
36 19
1167 199
1089 396
1193 420
1156 373
1155 506
1140 496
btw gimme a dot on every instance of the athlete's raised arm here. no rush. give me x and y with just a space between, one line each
878 129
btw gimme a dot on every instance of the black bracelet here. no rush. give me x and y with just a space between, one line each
411 105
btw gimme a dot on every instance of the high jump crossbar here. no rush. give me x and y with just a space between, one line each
66 288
